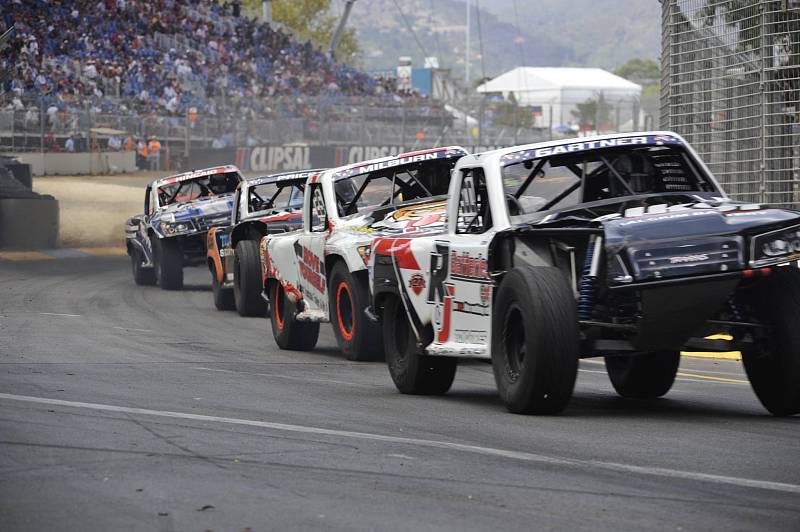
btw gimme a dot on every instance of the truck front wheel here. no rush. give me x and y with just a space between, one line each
411 371
288 332
773 363
643 376
359 338
247 280
168 259
141 275
535 340
223 297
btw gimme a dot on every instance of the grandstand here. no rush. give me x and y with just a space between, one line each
166 56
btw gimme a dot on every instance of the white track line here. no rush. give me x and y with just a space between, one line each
59 314
486 451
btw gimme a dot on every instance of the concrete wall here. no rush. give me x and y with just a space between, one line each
78 163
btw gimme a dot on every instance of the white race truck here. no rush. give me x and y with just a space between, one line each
620 246
318 273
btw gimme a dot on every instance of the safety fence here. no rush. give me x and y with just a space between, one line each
731 87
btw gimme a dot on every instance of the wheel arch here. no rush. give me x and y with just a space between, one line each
252 230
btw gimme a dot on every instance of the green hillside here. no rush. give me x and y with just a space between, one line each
602 33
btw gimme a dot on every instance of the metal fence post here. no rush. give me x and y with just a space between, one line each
41 127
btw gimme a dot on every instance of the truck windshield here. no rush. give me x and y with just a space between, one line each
392 186
202 186
558 181
269 196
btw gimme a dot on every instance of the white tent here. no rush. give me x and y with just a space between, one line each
557 90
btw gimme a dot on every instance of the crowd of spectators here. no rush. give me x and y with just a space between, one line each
167 57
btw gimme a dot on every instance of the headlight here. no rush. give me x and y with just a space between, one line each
176 228
775 247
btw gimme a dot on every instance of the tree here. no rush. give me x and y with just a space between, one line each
312 19
644 71
592 114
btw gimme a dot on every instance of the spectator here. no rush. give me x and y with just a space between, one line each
154 153
141 154
114 143
69 146
83 51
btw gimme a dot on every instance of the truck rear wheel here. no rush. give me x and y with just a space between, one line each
247 280
773 364
412 371
288 332
535 340
168 263
359 338
643 376
223 297
141 275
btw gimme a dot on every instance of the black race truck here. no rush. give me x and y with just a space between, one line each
623 247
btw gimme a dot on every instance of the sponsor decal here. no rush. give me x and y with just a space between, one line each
194 175
417 283
440 292
266 158
673 216
310 267
574 147
466 267
688 259
479 309
373 167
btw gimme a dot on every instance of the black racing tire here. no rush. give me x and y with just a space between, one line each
141 276
645 375
223 297
535 340
773 365
289 333
358 337
411 370
168 263
247 281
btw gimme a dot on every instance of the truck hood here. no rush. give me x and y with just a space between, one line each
198 215
691 240
213 205
423 217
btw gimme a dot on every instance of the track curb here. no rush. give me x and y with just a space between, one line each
60 253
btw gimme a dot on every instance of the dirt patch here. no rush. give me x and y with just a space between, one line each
93 209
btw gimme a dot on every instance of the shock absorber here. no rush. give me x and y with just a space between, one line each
589 278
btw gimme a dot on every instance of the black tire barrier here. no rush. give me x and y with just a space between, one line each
29 223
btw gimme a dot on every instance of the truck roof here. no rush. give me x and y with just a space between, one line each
194 174
507 156
284 178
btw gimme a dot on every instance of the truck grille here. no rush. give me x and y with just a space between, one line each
207 222
678 259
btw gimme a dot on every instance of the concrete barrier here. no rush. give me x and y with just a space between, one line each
28 223
78 163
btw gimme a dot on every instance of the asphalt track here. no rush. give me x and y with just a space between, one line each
129 408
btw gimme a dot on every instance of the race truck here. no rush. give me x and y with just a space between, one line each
263 205
178 211
318 273
620 246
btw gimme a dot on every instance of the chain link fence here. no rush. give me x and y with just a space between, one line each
731 87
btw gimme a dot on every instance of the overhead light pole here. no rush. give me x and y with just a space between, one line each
348 6
467 46
266 11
